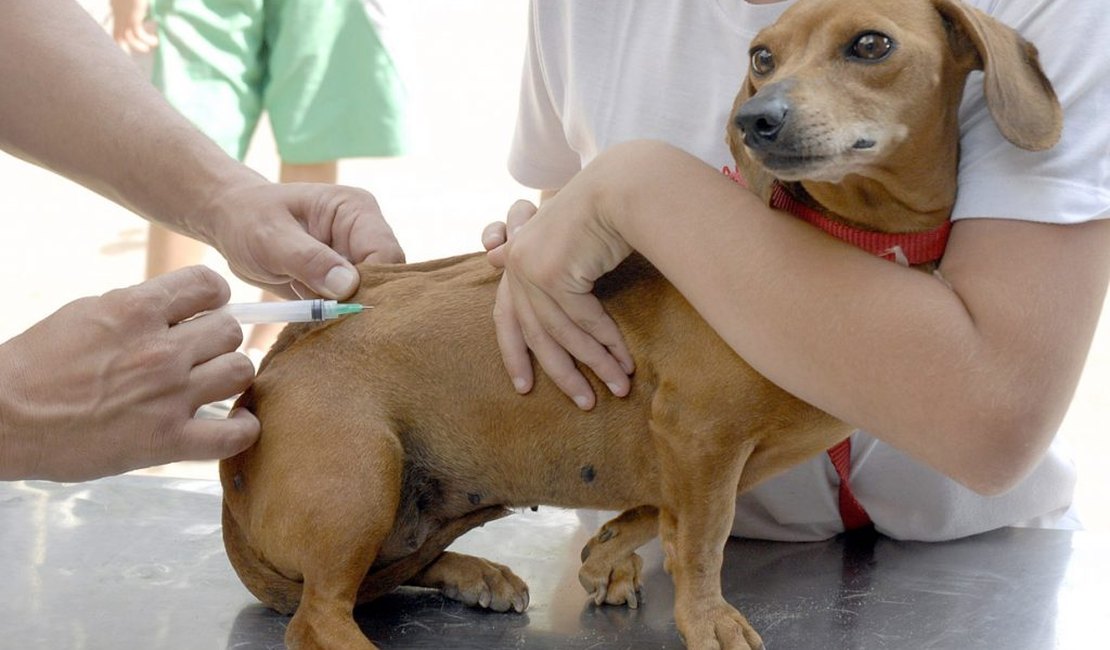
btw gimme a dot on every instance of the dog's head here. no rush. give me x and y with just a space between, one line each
841 87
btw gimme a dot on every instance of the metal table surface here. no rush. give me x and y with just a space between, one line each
137 562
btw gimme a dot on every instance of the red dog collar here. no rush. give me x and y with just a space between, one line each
907 249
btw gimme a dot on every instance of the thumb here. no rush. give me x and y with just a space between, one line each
313 264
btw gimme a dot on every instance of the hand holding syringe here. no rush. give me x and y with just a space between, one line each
291 311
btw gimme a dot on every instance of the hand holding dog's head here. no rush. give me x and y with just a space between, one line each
837 87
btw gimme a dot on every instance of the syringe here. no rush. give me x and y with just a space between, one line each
291 311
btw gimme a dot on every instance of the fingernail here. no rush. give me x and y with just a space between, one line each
615 389
339 280
582 401
520 384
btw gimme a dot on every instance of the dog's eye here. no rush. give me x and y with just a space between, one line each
763 62
871 46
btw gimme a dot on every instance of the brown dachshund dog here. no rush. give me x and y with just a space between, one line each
387 435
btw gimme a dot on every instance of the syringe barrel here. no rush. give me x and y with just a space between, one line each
292 311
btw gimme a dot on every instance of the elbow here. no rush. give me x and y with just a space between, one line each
996 448
995 480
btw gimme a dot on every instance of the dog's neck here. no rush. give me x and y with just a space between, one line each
915 193
909 248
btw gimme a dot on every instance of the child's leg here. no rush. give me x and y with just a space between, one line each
168 251
325 172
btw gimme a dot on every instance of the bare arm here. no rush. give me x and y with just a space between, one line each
74 104
972 377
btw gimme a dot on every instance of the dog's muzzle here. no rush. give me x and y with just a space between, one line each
762 118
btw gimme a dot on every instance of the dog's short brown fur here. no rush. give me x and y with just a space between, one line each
387 435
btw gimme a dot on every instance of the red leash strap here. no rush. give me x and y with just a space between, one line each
852 513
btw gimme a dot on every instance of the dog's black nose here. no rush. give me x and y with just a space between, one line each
762 118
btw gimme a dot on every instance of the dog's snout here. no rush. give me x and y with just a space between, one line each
763 117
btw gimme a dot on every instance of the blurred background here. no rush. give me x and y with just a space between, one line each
462 63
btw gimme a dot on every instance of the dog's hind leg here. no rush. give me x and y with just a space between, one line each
610 570
474 581
343 537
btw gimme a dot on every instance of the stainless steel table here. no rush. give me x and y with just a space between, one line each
137 562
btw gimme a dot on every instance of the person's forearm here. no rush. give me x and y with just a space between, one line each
972 378
73 103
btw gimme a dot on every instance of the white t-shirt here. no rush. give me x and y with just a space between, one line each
600 73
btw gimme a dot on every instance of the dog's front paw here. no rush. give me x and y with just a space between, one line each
612 581
716 627
477 582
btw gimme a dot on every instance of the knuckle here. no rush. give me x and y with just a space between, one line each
390 253
229 331
564 377
201 275
356 197
240 370
158 353
531 270
519 213
369 201
523 205
345 205
533 336
91 308
592 325
494 232
208 282
128 309
564 332
548 276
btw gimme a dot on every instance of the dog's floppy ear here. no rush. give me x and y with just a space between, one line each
1019 96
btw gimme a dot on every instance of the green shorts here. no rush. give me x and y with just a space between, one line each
319 69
